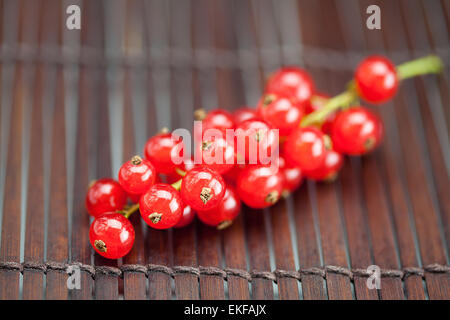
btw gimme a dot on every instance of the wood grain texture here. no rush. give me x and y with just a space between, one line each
10 243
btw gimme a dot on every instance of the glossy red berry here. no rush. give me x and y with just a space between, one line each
376 79
306 148
292 81
105 195
223 215
282 111
357 131
186 218
202 188
255 142
329 170
260 186
317 102
293 176
161 207
216 153
243 114
111 235
137 175
161 149
215 119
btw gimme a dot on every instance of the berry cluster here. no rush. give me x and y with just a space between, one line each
315 133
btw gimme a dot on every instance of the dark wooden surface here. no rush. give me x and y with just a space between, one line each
75 104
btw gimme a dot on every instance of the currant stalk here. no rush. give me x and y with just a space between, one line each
430 64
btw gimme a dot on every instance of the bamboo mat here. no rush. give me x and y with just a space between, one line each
75 104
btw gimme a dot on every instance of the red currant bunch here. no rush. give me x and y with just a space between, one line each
255 173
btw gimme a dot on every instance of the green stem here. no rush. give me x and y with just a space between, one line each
180 172
343 99
127 213
425 65
177 185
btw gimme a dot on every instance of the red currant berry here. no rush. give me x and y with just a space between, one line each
222 216
317 102
187 217
306 148
280 110
202 188
105 195
216 153
161 207
292 81
255 141
376 79
243 114
161 149
330 169
215 119
137 175
260 186
111 235
293 176
357 131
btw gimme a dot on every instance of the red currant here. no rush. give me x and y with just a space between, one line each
161 149
292 81
357 131
243 114
293 176
105 195
329 171
215 119
376 79
202 188
137 175
222 216
255 141
260 186
216 153
306 148
111 235
161 207
280 110
187 217
317 102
